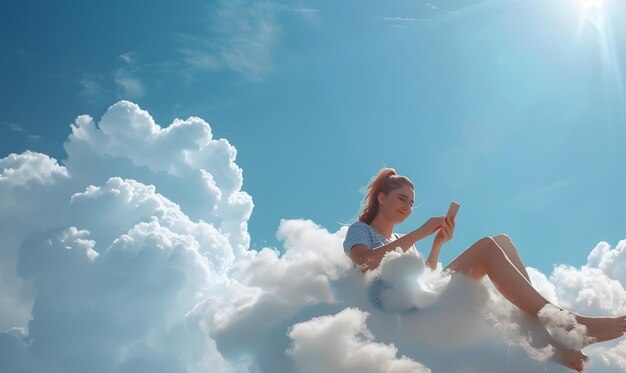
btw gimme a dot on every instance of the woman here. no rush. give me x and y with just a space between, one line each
390 201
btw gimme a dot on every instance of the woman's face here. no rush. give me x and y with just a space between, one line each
397 205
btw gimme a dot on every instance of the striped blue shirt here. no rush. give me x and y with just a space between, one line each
363 233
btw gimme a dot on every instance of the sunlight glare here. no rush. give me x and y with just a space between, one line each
588 5
594 18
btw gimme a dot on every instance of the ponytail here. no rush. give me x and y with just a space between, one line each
386 180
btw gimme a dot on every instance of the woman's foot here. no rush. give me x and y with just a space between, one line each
603 328
572 359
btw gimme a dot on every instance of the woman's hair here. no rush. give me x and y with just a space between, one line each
386 180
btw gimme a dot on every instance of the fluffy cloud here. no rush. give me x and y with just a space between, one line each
133 255
29 168
343 343
596 288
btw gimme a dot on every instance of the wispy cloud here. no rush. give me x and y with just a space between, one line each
92 87
241 36
18 128
444 12
310 14
122 82
541 196
398 22
552 187
396 19
127 83
129 57
304 10
14 127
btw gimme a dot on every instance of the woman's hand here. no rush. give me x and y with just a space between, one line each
431 226
446 231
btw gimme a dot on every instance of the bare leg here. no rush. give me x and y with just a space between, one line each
487 257
571 358
505 242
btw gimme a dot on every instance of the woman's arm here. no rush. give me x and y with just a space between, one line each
444 235
433 257
369 259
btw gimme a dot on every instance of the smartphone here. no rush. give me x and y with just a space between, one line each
453 209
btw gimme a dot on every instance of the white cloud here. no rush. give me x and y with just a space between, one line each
589 290
613 358
132 254
19 170
37 191
609 261
30 184
342 343
564 327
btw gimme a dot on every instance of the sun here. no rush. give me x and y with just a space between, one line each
592 12
595 24
591 4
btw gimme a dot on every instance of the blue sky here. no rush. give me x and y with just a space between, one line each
174 177
514 109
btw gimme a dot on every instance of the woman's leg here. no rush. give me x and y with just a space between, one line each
487 257
505 242
570 358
